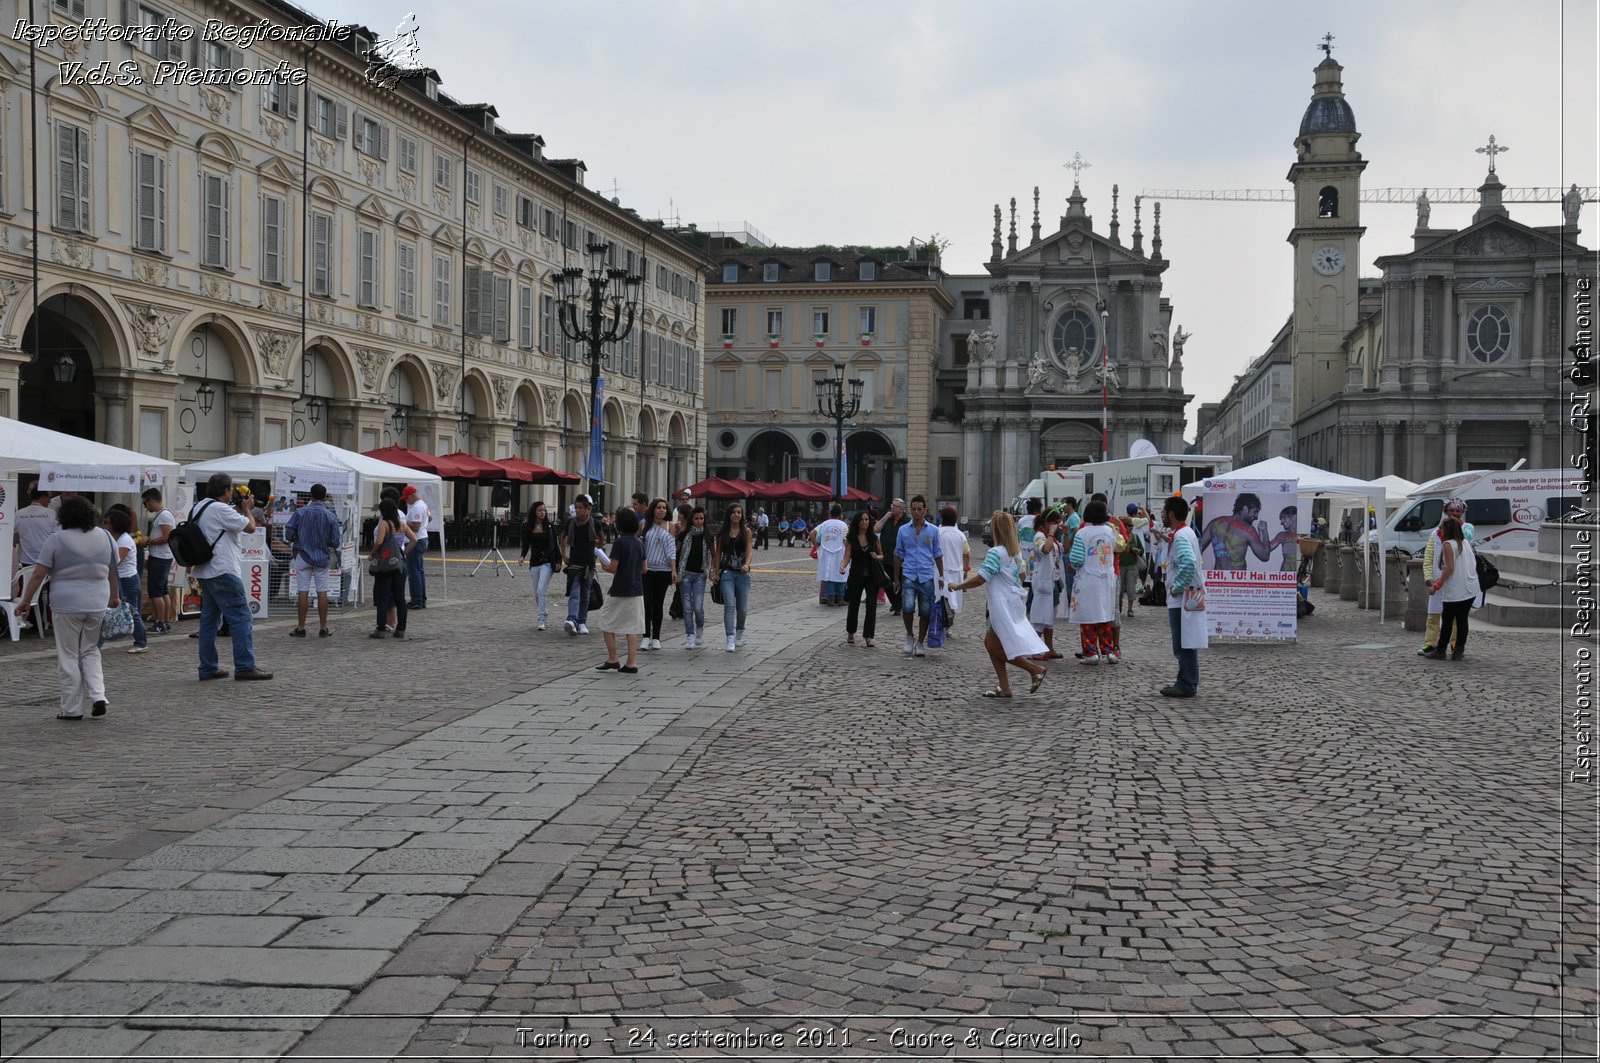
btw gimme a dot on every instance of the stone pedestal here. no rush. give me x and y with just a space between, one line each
1367 564
1335 573
1416 596
1319 565
1350 574
1394 572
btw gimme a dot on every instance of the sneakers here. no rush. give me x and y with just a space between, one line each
583 629
161 627
298 633
1425 651
325 633
910 646
247 674
738 640
137 649
1113 658
571 626
99 709
690 642
732 644
541 625
1092 658
381 633
920 650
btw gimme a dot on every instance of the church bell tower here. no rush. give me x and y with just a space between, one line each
1326 236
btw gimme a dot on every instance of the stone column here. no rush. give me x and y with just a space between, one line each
1535 445
1319 564
1447 331
1388 429
11 363
1035 454
1010 456
1394 591
1449 454
971 471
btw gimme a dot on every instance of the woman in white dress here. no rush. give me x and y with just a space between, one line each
833 569
1010 638
1094 587
957 558
1047 565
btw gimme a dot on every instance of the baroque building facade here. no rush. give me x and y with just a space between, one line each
778 320
1454 357
1077 356
262 261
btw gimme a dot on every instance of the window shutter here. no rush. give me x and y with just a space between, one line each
212 220
321 267
342 121
147 221
486 300
502 309
130 13
470 294
66 176
292 94
383 143
272 240
368 295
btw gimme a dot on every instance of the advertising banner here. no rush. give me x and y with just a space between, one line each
122 479
8 528
254 570
298 481
1250 551
433 494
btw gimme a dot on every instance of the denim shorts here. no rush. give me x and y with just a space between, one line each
916 594
157 570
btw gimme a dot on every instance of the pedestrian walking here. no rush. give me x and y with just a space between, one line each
1186 598
1010 638
158 560
313 531
957 553
694 559
863 565
661 571
888 528
80 559
389 588
1094 588
763 523
730 570
119 522
580 536
680 524
541 548
918 568
828 540
623 611
1047 563
419 516
1130 562
1457 584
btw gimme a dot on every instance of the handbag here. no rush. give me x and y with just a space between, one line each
716 593
597 597
118 623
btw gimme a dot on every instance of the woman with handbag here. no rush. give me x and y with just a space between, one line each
730 564
1011 638
863 564
80 560
694 558
1457 586
541 545
392 539
120 523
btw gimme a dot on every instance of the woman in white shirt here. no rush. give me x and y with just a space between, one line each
1457 583
81 564
120 524
1011 639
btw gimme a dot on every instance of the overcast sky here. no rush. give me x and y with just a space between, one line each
842 122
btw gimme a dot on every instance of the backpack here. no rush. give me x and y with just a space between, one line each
1488 575
189 545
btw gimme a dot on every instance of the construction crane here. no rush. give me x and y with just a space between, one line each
1368 195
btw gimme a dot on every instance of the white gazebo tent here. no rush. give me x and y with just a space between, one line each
1395 488
24 447
1318 483
370 473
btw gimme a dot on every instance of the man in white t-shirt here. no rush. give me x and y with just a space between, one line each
763 524
221 520
36 522
158 559
418 517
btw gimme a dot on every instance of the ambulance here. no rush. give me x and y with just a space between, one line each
1504 506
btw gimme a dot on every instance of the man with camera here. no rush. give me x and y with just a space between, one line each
221 517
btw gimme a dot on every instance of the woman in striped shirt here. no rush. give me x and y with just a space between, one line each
660 570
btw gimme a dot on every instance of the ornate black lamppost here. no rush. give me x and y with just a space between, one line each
832 403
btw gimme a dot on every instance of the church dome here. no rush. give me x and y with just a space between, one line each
1328 114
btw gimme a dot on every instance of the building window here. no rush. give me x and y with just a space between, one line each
869 321
281 98
1488 334
947 477
525 335
869 271
730 320
769 272
502 200
443 175
69 8
473 180
72 178
527 213
775 323
213 221
502 309
442 271
1328 202
367 293
730 273
322 254
547 320
372 138
975 308
569 234
408 155
274 240
1074 330
819 321
822 271
150 202
146 32
332 118
405 258
548 228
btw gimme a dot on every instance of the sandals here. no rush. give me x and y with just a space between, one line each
869 644
996 692
849 640
1038 681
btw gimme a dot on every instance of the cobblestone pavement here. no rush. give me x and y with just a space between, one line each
1335 850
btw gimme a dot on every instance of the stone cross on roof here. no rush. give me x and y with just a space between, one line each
1077 166
1491 150
1327 45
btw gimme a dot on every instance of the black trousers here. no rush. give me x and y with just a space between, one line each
655 599
388 590
853 591
1454 619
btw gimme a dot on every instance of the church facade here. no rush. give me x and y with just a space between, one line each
1076 355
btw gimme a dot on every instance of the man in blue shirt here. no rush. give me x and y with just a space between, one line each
918 561
314 532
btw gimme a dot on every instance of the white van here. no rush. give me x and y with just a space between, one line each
1504 507
1050 487
1149 480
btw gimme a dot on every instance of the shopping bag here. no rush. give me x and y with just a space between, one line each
118 623
936 627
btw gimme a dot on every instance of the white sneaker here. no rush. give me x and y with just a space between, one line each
572 627
583 629
920 651
731 645
738 639
1091 659
1113 658
541 625
688 642
911 646
136 649
657 643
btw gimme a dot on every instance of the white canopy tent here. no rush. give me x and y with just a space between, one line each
370 472
23 447
1395 488
1317 483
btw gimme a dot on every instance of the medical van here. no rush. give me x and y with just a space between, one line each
1504 506
1149 480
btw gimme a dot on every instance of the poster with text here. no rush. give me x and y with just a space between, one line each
1250 550
8 528
254 559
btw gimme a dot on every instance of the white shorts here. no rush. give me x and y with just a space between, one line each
308 578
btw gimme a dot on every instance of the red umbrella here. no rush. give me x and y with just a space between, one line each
532 472
416 459
855 494
719 489
799 491
475 468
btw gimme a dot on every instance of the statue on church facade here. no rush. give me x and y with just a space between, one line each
974 352
1179 338
986 341
1108 375
1424 209
1072 364
1036 373
1571 203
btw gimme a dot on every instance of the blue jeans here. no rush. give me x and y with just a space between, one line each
541 589
735 601
917 594
222 597
416 577
1188 679
129 588
692 587
578 597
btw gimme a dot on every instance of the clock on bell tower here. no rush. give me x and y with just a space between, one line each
1326 236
